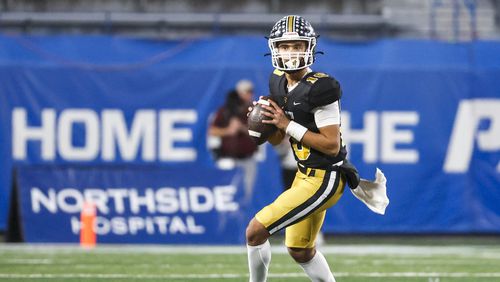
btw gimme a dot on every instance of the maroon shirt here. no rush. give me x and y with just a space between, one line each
240 145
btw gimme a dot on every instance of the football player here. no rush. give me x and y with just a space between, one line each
304 105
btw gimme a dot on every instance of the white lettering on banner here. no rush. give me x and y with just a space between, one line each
167 200
38 199
105 134
119 225
466 131
90 149
183 200
366 136
118 196
135 225
391 137
22 133
224 196
161 222
101 225
98 197
164 200
70 200
169 134
201 198
136 201
382 127
114 132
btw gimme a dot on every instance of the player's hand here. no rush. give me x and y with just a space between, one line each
254 103
277 115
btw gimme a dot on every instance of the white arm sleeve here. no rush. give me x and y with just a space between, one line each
327 115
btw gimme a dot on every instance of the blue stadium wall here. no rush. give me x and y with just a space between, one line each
123 122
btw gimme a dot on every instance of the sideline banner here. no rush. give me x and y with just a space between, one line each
144 205
426 113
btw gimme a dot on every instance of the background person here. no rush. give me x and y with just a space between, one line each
229 126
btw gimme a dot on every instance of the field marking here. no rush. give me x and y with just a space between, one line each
235 275
23 261
399 261
365 249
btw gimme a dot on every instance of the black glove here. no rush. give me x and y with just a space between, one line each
351 174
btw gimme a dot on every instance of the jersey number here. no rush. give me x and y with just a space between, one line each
301 151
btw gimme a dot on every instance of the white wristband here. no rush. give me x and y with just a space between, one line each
296 130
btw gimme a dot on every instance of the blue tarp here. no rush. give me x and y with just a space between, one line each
426 113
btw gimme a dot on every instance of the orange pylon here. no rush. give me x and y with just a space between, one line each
88 238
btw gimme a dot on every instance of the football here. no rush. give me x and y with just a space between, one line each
259 131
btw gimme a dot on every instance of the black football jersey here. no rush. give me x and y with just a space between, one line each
314 90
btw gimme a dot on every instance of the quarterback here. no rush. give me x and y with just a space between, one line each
304 105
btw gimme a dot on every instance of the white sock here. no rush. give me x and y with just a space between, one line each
259 258
317 269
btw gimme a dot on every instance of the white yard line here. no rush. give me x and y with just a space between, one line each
398 261
24 261
476 250
233 276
